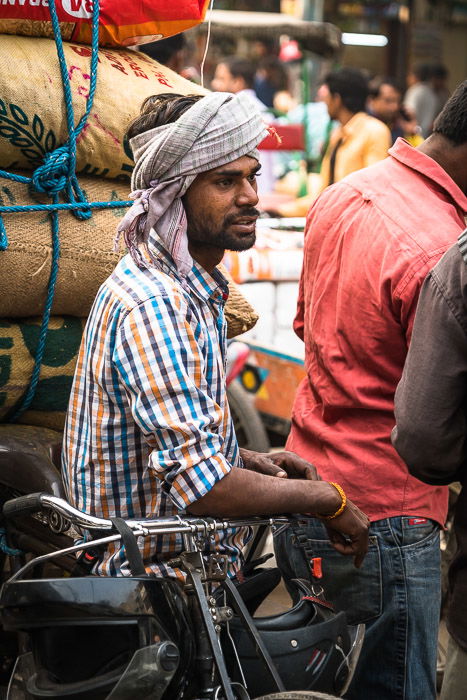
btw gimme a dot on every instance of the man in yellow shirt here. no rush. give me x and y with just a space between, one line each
359 140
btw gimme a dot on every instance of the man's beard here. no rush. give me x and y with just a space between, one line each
204 233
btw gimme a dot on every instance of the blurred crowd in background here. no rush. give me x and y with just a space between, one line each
348 118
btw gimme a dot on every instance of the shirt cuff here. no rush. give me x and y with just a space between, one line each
193 483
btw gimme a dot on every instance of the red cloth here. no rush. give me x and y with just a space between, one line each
370 241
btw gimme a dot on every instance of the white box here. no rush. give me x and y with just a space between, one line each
286 304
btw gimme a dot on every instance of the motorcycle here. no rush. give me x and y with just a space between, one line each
58 624
89 638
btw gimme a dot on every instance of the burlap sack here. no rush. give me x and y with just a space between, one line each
18 343
239 313
87 256
32 112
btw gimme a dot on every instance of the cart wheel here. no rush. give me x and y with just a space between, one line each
250 431
298 695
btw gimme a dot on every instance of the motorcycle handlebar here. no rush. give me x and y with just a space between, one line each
34 502
23 505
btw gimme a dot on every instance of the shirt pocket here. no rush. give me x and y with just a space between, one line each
358 592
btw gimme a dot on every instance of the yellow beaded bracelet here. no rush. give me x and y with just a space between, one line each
340 510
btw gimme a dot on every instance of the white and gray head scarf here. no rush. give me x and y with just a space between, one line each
216 130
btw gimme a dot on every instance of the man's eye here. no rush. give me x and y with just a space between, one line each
224 183
253 177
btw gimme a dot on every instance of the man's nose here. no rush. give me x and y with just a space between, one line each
247 196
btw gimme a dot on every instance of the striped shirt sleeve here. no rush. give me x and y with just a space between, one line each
159 359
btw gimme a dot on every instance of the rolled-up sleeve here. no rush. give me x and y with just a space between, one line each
431 398
159 359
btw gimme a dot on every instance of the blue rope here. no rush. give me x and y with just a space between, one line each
5 548
64 206
56 175
29 395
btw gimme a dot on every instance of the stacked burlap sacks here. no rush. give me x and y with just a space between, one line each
31 123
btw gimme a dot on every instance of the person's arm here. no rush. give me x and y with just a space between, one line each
161 372
430 401
243 492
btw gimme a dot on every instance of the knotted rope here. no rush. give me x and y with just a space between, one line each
54 177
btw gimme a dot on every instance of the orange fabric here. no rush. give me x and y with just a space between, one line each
122 23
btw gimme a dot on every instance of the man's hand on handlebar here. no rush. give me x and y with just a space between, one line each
281 464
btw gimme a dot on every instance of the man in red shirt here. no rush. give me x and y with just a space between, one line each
370 241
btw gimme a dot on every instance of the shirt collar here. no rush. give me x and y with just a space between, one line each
211 287
206 286
429 168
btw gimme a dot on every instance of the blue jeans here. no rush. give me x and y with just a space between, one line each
396 593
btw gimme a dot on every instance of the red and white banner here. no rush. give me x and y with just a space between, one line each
122 22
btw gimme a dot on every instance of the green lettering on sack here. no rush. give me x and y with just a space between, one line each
28 136
9 194
120 211
52 394
5 369
93 171
62 344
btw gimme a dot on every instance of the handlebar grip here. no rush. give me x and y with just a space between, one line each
23 505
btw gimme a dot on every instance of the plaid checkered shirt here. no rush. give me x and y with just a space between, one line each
148 428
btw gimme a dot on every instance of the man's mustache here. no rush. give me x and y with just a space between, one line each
250 212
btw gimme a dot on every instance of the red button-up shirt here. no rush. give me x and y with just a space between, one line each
370 241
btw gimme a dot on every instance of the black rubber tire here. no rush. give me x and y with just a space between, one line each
298 695
249 427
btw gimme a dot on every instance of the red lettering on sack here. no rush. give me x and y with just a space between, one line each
82 89
81 50
160 77
139 73
114 62
119 67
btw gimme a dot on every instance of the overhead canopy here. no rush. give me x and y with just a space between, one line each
322 38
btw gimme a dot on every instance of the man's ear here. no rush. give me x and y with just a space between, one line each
238 84
337 101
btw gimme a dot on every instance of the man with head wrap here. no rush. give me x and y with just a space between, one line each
148 428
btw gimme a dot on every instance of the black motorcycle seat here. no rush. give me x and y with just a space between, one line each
297 617
30 459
